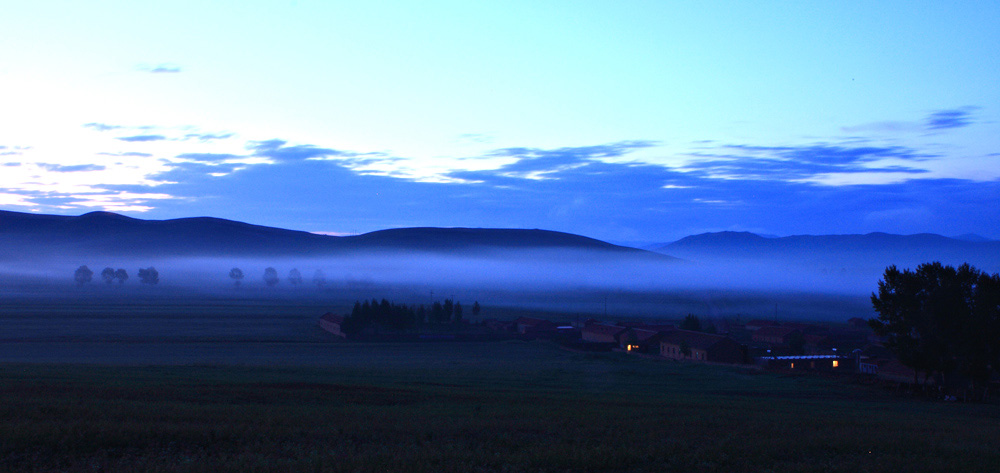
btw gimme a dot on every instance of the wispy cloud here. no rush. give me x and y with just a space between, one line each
140 138
73 168
737 161
162 68
101 126
947 119
534 163
207 136
278 151
208 157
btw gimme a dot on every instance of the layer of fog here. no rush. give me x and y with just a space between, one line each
523 270
564 281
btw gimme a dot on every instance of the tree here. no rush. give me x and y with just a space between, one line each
319 279
236 274
941 321
692 323
295 277
83 275
121 275
270 276
437 312
449 308
458 312
149 275
108 275
476 308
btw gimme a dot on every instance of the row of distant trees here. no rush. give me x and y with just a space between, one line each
271 277
84 275
384 316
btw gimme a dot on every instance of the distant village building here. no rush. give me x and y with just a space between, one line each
332 323
774 335
640 340
601 333
807 362
533 326
688 345
757 324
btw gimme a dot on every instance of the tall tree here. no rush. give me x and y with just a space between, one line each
476 308
149 275
270 276
236 274
449 308
941 320
458 312
295 277
691 322
108 275
83 275
121 275
319 279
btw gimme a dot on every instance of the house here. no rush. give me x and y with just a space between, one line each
775 335
640 340
808 362
601 333
532 326
817 344
332 323
688 345
501 326
755 325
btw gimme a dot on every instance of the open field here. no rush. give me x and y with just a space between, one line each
508 406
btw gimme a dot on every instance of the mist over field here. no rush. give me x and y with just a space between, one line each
512 271
561 281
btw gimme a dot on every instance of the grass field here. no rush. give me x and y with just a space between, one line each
511 406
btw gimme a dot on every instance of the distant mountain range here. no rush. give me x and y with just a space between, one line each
872 250
26 235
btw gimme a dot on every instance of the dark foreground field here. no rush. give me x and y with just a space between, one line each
511 406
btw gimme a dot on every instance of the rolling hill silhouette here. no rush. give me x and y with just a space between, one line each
837 251
107 233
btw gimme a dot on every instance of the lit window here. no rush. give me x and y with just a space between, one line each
836 363
793 365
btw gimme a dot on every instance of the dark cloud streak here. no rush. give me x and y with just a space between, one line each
948 119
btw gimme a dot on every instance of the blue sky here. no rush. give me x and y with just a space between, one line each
626 121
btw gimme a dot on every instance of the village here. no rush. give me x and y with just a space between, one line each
850 348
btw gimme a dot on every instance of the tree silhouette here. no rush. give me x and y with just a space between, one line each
449 308
476 308
319 279
121 275
83 275
108 275
236 274
940 320
458 312
149 276
691 322
295 277
270 276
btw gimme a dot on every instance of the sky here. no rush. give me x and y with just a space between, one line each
629 121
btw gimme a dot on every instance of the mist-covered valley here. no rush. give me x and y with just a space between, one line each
718 275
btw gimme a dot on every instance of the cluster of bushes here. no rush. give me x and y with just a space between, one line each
383 316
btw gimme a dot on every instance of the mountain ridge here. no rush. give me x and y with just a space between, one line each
108 232
846 250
